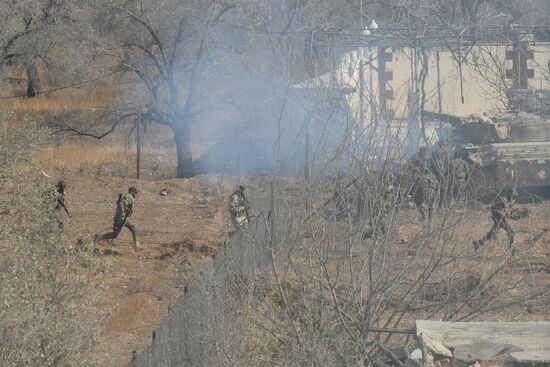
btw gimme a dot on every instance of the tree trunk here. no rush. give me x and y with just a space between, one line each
182 138
33 82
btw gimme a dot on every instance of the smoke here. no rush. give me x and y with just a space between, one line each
255 124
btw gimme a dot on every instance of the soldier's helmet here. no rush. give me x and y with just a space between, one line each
242 188
132 190
61 185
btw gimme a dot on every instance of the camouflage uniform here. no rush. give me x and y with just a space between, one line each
55 200
238 208
381 210
59 198
122 218
419 162
347 197
459 178
426 194
441 161
441 166
500 212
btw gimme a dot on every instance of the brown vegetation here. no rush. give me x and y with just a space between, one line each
341 256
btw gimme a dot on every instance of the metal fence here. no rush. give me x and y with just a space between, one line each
186 336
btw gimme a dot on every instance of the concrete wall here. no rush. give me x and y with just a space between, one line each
483 86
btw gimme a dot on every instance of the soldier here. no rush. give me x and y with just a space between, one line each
420 160
441 166
382 207
54 200
426 194
239 208
59 195
459 178
347 196
500 212
124 210
441 158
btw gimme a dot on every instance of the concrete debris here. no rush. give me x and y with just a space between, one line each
165 192
517 342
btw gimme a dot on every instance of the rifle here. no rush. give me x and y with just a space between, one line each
247 208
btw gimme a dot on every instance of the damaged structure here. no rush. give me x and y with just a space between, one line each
446 343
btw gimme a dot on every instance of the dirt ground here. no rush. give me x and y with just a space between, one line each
179 234
181 231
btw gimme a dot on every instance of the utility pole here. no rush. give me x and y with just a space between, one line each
361 90
307 158
371 88
439 103
138 144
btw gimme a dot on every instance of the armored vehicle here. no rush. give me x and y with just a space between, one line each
505 149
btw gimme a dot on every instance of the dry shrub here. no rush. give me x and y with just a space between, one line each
63 101
80 156
43 303
115 150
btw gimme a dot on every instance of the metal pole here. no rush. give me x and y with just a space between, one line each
371 88
439 103
460 72
307 157
517 60
138 144
415 63
416 120
361 91
541 100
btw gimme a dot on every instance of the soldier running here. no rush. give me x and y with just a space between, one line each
500 212
124 210
239 208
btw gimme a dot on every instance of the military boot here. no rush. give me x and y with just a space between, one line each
97 238
137 247
477 245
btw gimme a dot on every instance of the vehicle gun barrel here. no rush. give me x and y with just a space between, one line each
451 119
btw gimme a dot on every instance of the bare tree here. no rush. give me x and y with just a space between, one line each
335 268
166 49
178 56
35 34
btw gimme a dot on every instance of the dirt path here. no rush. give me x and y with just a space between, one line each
178 232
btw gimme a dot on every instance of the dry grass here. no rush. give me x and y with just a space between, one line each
92 155
81 156
116 151
63 101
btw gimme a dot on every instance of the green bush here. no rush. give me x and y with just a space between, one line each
44 301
